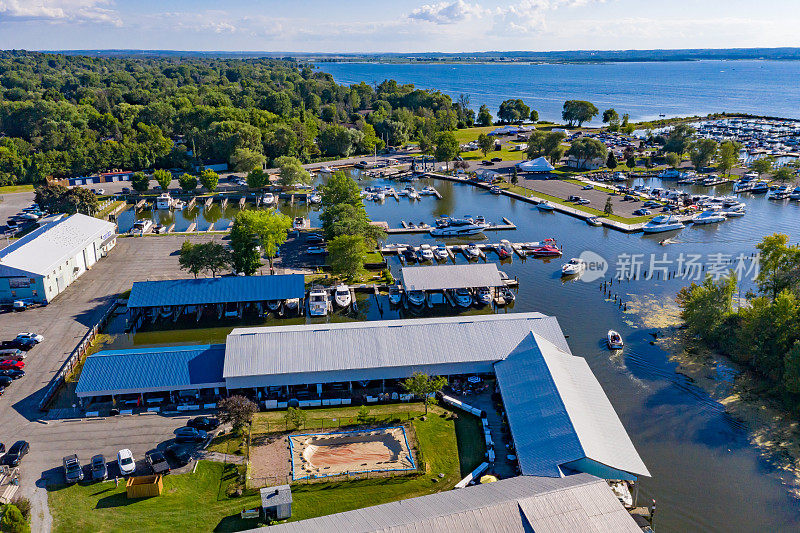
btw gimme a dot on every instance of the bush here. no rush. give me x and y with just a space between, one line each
24 506
13 521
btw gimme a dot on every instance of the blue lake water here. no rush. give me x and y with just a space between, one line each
644 90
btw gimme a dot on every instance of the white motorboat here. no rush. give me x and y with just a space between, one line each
458 229
426 253
507 249
315 198
428 191
292 304
708 217
268 199
463 297
738 212
299 223
471 251
507 294
537 244
140 227
273 305
379 196
795 194
545 206
395 295
483 296
164 201
662 223
341 295
326 170
594 221
440 252
573 267
416 298
614 340
318 302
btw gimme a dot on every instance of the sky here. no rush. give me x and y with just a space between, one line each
397 26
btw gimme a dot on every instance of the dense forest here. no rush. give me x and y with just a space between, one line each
66 116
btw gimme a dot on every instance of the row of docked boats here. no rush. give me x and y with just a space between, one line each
321 300
462 297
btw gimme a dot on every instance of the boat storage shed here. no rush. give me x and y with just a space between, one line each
438 277
225 289
147 370
519 504
42 264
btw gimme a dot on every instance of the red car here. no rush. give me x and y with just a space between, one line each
8 364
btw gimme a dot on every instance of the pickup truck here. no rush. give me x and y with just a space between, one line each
157 462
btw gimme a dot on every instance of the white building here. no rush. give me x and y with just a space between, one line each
43 263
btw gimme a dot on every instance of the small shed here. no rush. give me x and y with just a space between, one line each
144 486
276 502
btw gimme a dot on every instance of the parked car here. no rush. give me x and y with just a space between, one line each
5 381
73 472
99 470
628 197
315 238
316 250
573 198
181 455
583 201
126 190
587 187
641 212
18 344
35 337
497 160
15 454
189 434
11 354
12 373
206 423
125 462
487 163
157 462
9 363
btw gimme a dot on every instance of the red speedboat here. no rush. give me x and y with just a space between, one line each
546 251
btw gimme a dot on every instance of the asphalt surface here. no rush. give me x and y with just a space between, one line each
63 323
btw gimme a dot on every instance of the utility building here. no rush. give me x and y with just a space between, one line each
42 264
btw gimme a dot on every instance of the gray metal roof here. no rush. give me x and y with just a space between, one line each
152 370
224 289
428 278
278 355
41 250
544 505
277 495
558 412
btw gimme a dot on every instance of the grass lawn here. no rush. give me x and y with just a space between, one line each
190 502
505 154
470 134
230 443
9 189
528 193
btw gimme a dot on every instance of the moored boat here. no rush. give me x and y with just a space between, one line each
341 295
573 267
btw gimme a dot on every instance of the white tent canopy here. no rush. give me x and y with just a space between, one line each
540 164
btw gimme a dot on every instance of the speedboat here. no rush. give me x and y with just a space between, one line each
471 251
268 198
416 298
315 198
494 189
662 223
507 294
292 304
573 267
594 221
708 217
425 253
326 170
483 296
159 229
760 187
735 212
379 196
440 252
504 249
457 229
545 206
780 193
546 251
412 193
614 340
318 302
299 223
409 255
341 295
428 190
395 295
140 227
463 297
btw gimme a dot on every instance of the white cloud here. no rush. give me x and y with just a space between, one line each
531 15
447 13
59 11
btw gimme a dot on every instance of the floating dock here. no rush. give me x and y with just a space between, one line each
407 228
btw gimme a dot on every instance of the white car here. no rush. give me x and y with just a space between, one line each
27 335
127 465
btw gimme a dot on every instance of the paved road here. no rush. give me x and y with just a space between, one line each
11 204
63 323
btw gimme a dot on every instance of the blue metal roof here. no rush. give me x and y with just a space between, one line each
216 290
152 370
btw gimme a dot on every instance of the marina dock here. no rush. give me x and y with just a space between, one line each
407 228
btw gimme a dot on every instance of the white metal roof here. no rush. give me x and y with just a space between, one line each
342 348
40 251
574 418
427 278
545 505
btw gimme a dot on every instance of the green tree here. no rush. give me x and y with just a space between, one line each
610 116
254 232
485 144
783 174
630 162
609 208
484 116
79 200
341 189
546 144
513 110
163 178
534 116
187 182
586 149
424 386
292 171
189 259
779 265
705 307
673 159
514 175
763 165
680 139
140 182
447 147
213 256
294 418
236 410
611 161
13 521
257 178
728 156
791 370
209 179
346 256
702 152
578 112
245 160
